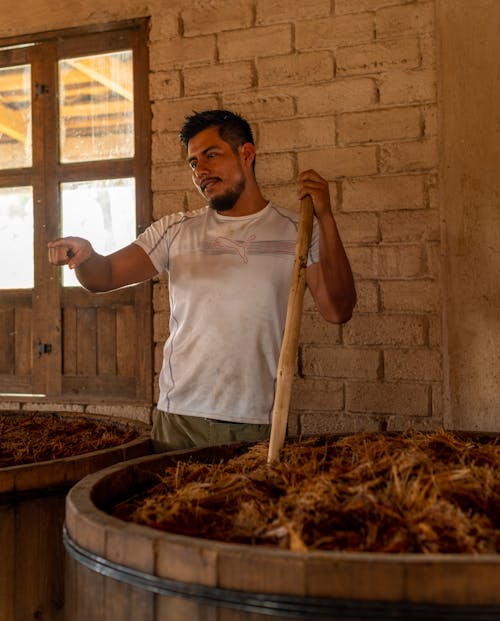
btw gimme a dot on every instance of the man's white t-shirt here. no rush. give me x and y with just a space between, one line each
229 279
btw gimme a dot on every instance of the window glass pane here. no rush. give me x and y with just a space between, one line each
15 117
102 212
16 238
96 107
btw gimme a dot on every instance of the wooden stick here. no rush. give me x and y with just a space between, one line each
289 346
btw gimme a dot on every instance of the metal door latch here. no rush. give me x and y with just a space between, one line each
41 89
44 348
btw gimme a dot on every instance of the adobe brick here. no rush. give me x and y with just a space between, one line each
358 228
410 295
383 193
428 51
272 11
261 105
178 53
158 361
314 329
433 195
309 305
165 147
131 412
284 195
160 295
340 162
389 262
169 115
412 364
296 133
317 423
343 95
434 259
430 422
403 398
291 68
194 200
254 42
213 78
357 6
160 325
387 329
275 168
359 363
407 226
206 16
164 85
408 156
406 87
431 122
333 31
321 395
409 18
435 330
165 28
378 57
379 125
168 202
437 400
368 296
170 177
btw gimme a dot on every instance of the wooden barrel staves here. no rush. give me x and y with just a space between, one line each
115 566
32 501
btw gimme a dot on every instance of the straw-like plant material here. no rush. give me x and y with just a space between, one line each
431 493
34 437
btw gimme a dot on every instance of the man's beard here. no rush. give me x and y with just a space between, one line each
226 201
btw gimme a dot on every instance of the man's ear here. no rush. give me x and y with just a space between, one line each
247 151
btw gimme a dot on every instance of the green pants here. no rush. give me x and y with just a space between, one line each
172 432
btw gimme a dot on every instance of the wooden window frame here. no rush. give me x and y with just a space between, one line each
47 381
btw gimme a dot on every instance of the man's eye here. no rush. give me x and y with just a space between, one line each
192 165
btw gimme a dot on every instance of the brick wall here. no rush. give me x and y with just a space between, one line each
347 87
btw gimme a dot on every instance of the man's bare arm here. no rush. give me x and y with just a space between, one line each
98 272
330 280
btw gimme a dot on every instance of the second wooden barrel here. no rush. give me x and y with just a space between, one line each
32 505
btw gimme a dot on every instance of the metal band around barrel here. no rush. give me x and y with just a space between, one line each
296 607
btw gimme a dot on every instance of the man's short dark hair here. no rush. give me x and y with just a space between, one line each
233 128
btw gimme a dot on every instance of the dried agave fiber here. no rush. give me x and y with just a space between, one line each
30 438
417 492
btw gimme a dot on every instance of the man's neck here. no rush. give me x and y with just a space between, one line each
250 201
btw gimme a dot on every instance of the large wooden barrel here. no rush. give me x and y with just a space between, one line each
32 501
115 567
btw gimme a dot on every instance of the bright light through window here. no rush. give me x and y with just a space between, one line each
102 212
16 238
96 107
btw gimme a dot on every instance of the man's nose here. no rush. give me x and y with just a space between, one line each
200 170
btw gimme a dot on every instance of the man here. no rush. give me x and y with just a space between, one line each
230 265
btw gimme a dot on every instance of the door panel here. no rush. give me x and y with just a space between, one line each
100 343
15 343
